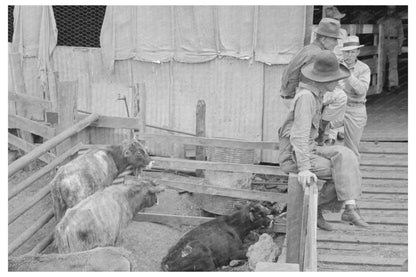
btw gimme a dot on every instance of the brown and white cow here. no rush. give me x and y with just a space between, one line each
215 243
97 221
94 171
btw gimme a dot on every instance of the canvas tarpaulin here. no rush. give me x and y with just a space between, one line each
193 34
35 35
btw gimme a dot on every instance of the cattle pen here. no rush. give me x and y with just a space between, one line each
69 132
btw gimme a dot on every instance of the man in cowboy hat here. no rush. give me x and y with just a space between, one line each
355 87
393 41
327 35
298 152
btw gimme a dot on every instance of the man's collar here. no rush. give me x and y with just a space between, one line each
310 87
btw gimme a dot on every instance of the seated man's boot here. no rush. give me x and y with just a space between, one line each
321 132
352 215
321 222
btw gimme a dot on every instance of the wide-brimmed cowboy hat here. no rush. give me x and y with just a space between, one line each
351 42
325 68
333 12
329 27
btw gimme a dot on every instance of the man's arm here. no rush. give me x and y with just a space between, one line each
300 132
358 85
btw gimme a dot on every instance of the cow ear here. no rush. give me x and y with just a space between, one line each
251 216
126 153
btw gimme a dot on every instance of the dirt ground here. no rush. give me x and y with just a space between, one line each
149 242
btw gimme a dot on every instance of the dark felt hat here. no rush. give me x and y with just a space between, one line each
325 68
329 27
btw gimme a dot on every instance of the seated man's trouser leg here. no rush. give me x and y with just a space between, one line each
355 121
335 105
338 166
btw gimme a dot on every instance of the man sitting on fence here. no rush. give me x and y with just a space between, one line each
298 151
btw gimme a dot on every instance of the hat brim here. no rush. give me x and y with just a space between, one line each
340 74
328 34
347 48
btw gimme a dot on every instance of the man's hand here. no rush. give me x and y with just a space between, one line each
305 177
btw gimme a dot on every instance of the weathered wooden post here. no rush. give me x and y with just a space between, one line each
19 87
67 112
200 131
381 63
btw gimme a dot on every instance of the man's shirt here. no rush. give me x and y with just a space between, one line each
302 123
356 86
292 75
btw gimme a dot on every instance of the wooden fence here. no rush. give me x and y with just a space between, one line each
68 142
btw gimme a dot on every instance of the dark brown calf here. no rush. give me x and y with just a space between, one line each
217 242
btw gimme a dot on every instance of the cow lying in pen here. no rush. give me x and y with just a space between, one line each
98 220
216 242
93 171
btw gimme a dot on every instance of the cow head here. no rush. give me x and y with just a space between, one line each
258 215
135 153
142 193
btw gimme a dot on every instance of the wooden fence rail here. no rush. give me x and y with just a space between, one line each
44 170
42 149
31 126
27 147
28 233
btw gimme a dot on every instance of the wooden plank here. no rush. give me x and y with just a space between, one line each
385 196
368 159
29 232
116 122
310 260
27 147
381 63
200 132
31 126
184 164
229 192
42 149
393 173
362 239
386 190
331 267
368 50
142 107
362 248
384 182
45 242
41 172
294 219
382 205
29 100
171 220
383 147
67 112
379 228
360 260
371 219
303 228
215 142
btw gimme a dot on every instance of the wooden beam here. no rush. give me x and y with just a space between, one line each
311 255
184 164
229 192
116 122
44 170
27 147
294 219
28 233
303 228
363 260
200 132
381 63
42 149
31 126
67 112
177 220
200 141
171 220
28 100
45 242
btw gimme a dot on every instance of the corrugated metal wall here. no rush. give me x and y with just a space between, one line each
241 96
